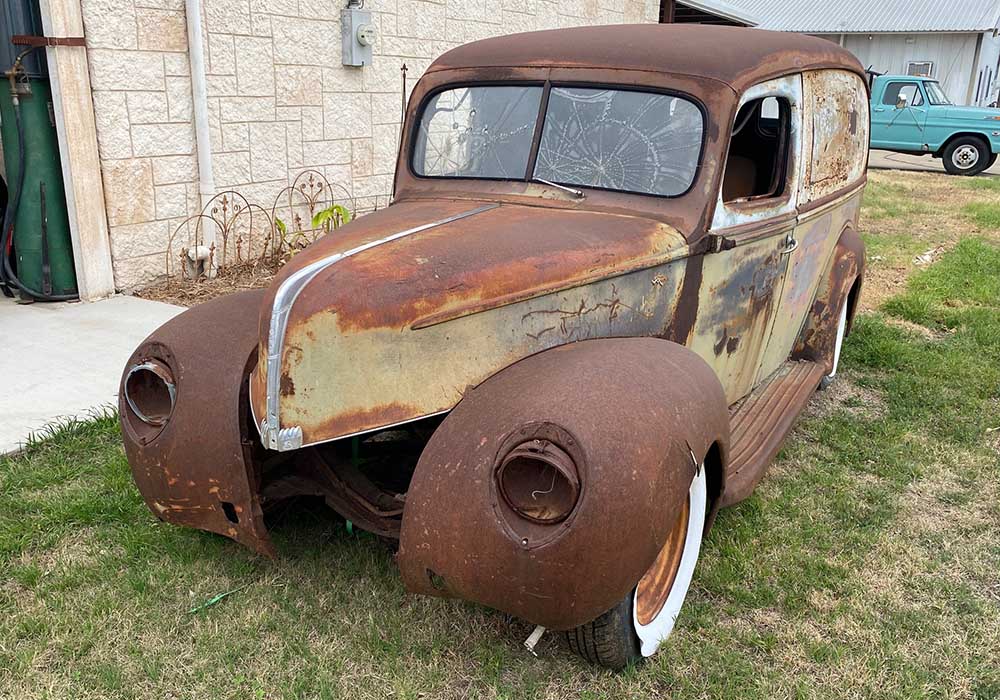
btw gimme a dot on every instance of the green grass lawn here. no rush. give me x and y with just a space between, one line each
866 564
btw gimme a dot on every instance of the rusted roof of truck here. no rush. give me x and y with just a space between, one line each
735 56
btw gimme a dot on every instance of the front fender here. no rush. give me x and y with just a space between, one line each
199 469
631 412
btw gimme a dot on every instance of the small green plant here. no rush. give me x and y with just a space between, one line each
325 220
332 217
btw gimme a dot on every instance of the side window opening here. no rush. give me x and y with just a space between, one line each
909 91
757 164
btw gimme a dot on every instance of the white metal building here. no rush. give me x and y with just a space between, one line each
956 42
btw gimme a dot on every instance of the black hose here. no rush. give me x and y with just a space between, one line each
7 275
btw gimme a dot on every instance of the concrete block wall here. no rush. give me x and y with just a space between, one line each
279 99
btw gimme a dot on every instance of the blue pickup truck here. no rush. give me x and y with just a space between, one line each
913 115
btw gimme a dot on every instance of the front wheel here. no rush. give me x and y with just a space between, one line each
966 155
636 626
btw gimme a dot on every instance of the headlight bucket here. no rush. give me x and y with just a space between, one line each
150 392
538 481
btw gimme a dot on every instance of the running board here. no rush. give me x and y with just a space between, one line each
761 421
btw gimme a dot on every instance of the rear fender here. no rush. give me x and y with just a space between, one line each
200 469
635 415
842 283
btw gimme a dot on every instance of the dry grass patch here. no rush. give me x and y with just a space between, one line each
917 329
850 396
909 219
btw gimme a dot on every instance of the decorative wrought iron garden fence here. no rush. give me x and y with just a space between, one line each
232 233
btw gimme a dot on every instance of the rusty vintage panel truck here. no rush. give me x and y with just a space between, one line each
618 263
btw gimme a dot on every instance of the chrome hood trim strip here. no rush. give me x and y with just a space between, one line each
272 435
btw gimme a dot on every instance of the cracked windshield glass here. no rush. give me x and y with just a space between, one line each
622 140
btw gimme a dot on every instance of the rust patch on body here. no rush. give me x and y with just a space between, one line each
359 420
721 345
495 258
686 314
818 337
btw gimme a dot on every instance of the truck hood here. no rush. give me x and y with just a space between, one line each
984 113
381 280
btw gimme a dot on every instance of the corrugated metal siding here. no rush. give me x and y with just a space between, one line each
719 8
986 75
872 16
951 54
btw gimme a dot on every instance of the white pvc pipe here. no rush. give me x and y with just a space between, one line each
199 93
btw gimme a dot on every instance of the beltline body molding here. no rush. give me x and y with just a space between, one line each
272 435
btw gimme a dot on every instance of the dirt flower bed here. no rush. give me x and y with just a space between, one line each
191 292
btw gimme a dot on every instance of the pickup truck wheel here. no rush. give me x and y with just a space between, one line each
966 155
636 626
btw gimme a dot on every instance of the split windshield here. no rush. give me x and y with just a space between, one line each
624 140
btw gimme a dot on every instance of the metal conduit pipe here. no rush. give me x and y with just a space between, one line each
199 94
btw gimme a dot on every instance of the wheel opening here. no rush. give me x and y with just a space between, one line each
714 478
363 479
852 304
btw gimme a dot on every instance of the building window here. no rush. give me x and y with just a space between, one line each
923 69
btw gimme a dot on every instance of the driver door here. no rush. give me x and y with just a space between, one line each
900 116
752 232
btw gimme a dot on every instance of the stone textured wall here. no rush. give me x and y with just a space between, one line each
279 100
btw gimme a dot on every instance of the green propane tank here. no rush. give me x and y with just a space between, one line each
42 245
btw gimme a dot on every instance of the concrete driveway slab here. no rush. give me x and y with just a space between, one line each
63 361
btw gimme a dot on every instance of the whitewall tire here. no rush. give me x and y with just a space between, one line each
636 626
655 631
837 346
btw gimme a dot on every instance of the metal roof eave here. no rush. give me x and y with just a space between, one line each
722 9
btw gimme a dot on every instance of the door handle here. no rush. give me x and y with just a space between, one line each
790 245
878 109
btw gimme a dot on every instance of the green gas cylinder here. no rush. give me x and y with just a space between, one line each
42 245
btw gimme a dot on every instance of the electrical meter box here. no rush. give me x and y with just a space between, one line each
358 35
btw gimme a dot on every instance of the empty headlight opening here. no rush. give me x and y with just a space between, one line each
150 392
538 480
